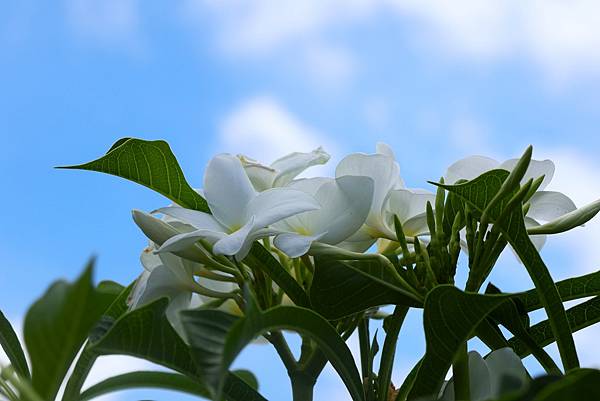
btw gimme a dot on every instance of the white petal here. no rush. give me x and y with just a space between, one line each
384 172
288 167
294 245
549 205
233 243
228 190
536 169
407 203
469 168
345 210
183 241
360 241
199 220
261 176
156 230
538 240
276 204
502 364
384 149
416 225
149 259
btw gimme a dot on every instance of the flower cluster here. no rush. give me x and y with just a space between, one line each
298 218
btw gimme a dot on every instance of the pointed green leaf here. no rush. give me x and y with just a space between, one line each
86 360
511 314
342 288
57 325
255 323
450 318
580 316
159 380
146 333
478 193
149 163
12 347
572 288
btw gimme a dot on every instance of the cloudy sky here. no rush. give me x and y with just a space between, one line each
436 80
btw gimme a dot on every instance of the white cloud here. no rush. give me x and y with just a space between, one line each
265 130
113 22
470 136
560 37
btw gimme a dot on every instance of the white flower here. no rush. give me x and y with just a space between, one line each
501 372
167 275
240 215
544 205
345 203
283 170
389 198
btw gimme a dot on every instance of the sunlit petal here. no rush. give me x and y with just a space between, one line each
469 168
549 205
228 190
276 204
537 168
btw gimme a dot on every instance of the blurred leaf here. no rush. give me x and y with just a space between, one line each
580 316
568 221
579 384
450 317
342 288
88 357
479 192
202 332
260 258
12 347
146 333
159 380
572 288
149 163
57 325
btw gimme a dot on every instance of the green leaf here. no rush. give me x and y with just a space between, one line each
340 289
580 385
511 314
146 333
88 357
580 316
260 258
56 327
572 288
149 163
159 380
568 221
450 317
12 347
479 192
255 323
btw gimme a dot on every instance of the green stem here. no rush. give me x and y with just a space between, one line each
460 373
302 386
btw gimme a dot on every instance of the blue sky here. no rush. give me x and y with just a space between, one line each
436 82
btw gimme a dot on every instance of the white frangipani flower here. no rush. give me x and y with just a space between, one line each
544 205
283 170
345 203
389 198
167 275
240 215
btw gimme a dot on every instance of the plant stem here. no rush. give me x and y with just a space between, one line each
460 373
302 386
